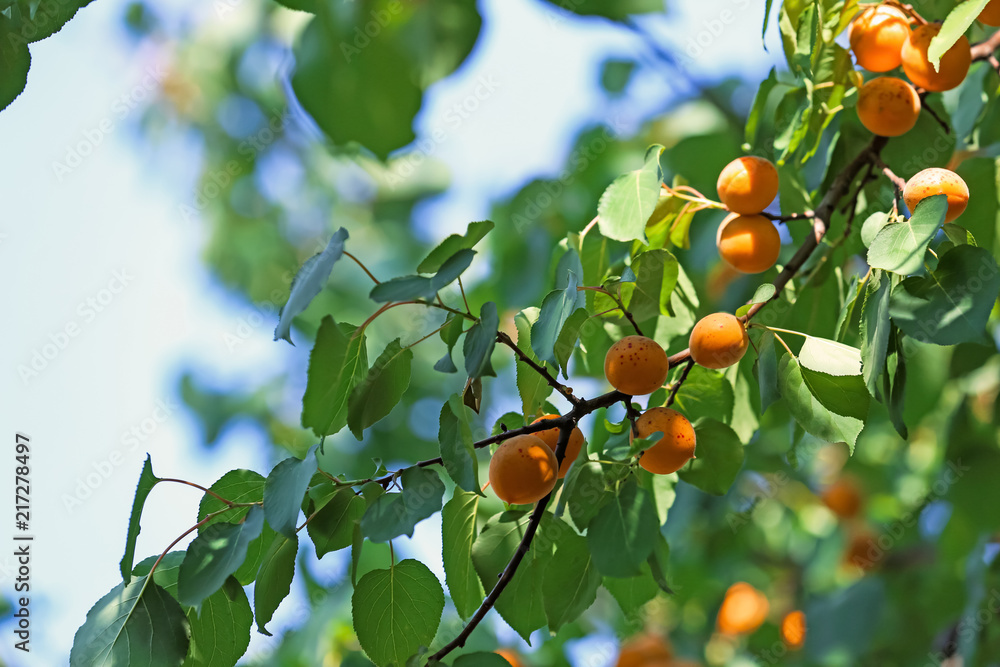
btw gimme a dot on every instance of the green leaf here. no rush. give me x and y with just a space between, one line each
451 245
217 552
876 328
274 580
309 282
632 592
239 486
616 10
766 369
899 247
570 581
397 611
480 341
135 625
829 356
147 480
659 561
395 514
586 491
718 457
959 20
894 383
872 225
951 304
763 294
759 107
628 202
338 362
286 485
656 277
15 60
705 393
531 386
556 310
375 396
421 287
450 335
458 534
832 408
457 452
621 535
481 660
568 337
332 527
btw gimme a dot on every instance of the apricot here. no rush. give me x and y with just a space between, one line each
748 243
718 340
743 610
636 365
991 14
863 550
793 629
876 37
645 650
551 438
888 106
674 449
523 470
951 70
512 658
936 181
843 497
748 184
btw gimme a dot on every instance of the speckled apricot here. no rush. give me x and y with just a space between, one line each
636 365
551 438
876 37
843 497
674 449
744 609
888 106
718 340
522 470
645 650
991 14
748 243
793 629
748 184
952 69
936 181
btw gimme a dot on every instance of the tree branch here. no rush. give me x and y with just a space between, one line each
985 49
541 370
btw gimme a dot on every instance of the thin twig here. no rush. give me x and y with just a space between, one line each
541 370
229 503
805 215
363 267
676 385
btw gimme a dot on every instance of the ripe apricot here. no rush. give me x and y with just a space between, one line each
951 70
877 36
523 470
718 340
843 497
936 181
748 184
674 449
991 14
863 551
645 650
743 610
636 365
793 629
748 243
510 657
551 438
888 106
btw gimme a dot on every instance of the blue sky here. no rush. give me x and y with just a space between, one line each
106 293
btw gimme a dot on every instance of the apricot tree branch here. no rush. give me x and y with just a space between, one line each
987 48
541 370
805 215
676 384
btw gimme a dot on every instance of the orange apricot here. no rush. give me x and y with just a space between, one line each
645 650
876 37
551 438
936 181
636 365
523 470
951 70
748 243
718 340
793 629
743 610
748 184
863 551
991 14
512 658
888 106
843 497
674 449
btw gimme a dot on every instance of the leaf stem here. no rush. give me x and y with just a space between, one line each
363 267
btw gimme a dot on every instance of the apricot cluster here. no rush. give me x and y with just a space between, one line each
748 241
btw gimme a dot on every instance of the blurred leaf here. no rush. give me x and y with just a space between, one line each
147 480
217 552
458 534
629 201
274 580
845 621
337 363
480 341
436 258
632 592
380 391
621 534
395 514
980 216
283 491
617 10
616 74
658 563
457 452
766 370
899 247
309 282
718 457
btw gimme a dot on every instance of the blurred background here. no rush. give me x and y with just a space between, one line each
162 185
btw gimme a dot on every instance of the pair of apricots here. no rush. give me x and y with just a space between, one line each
881 39
744 609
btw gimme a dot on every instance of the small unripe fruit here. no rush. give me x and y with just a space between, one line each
793 629
991 14
888 106
951 70
718 341
936 181
645 650
748 243
843 497
523 470
744 609
877 36
636 365
748 184
671 452
551 438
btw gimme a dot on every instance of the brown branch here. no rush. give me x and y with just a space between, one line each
676 385
805 215
986 49
541 370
